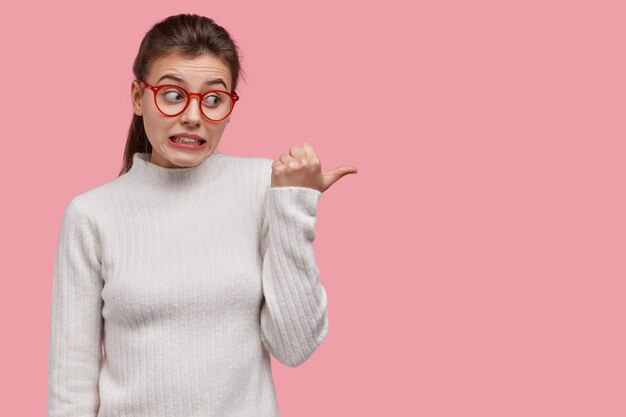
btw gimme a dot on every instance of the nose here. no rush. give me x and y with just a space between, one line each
192 114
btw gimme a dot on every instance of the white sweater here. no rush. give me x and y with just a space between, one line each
172 284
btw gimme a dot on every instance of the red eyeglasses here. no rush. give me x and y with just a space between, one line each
171 100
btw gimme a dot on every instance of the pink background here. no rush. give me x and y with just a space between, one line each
475 264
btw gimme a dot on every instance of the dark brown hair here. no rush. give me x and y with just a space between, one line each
189 35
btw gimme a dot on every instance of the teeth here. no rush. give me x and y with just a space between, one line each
180 139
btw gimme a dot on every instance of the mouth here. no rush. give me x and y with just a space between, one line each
185 142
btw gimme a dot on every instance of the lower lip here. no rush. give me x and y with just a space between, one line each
201 145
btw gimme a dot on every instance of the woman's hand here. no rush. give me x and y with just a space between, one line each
301 167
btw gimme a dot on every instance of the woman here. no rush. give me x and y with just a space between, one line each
175 281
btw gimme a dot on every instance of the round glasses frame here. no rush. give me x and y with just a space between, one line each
155 89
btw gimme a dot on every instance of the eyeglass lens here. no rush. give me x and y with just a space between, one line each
215 104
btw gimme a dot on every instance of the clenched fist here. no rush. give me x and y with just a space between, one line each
301 167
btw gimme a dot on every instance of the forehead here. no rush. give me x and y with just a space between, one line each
194 71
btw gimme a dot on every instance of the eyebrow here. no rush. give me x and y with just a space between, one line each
180 80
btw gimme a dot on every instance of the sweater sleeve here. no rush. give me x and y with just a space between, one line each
294 319
74 355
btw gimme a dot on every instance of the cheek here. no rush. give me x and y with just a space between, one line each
218 128
156 126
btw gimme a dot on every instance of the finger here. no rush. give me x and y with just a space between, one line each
285 158
333 176
309 150
311 154
347 169
297 152
341 171
278 167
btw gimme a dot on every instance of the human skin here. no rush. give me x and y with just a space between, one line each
301 166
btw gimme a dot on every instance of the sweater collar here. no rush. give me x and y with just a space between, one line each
149 172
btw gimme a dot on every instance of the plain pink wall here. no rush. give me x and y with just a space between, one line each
475 264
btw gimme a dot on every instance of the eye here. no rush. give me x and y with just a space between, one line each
212 100
173 95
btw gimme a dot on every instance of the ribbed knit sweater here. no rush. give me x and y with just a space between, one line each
173 285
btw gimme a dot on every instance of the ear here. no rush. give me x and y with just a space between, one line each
136 93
